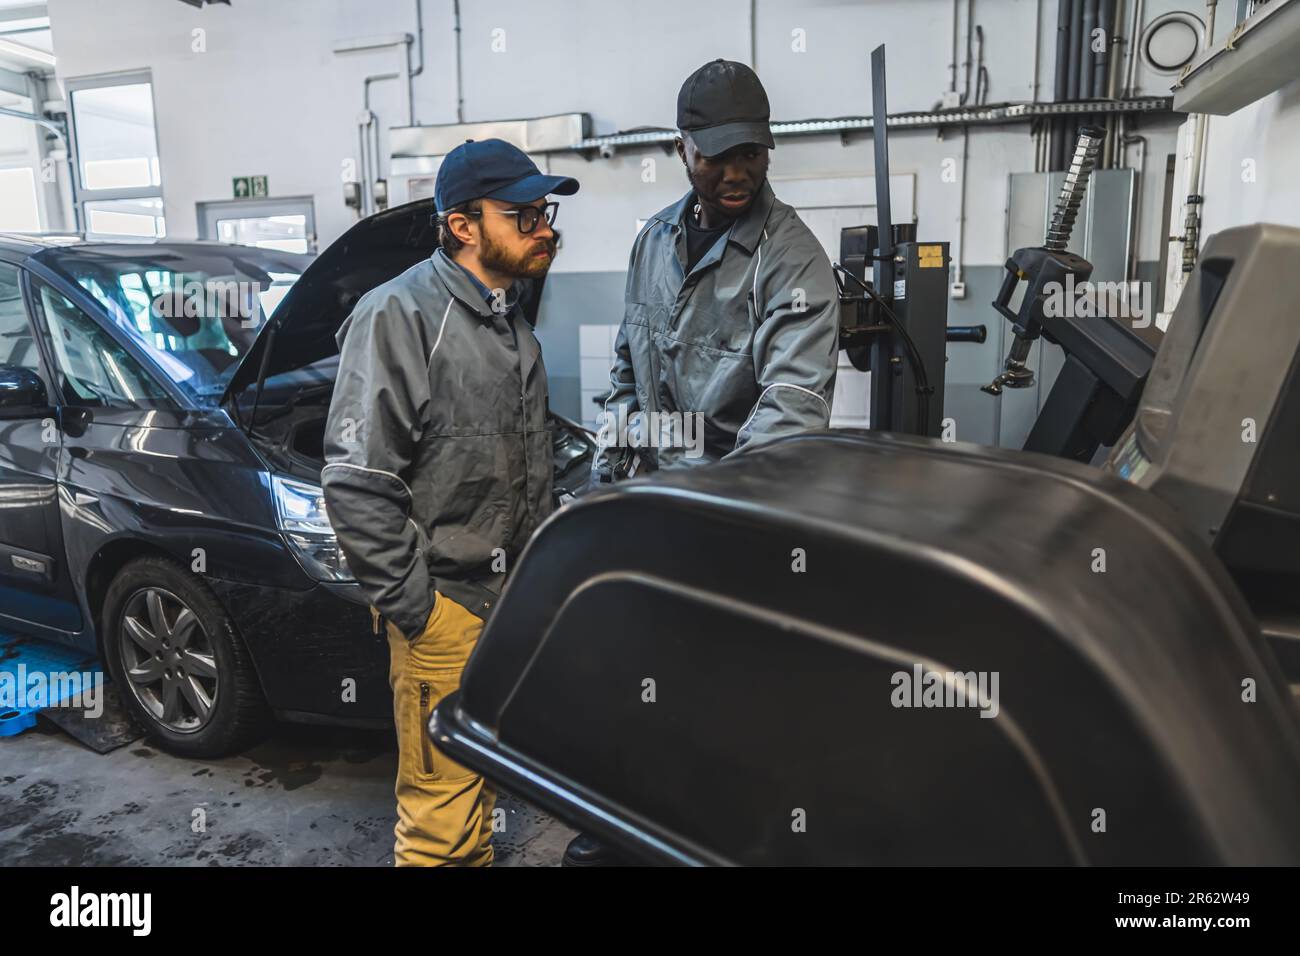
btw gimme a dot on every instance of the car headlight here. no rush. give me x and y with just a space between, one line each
300 514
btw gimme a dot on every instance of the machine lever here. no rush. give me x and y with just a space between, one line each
1046 266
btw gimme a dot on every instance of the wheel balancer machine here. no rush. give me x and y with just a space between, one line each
1106 365
894 302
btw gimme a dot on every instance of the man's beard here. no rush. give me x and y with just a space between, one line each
523 266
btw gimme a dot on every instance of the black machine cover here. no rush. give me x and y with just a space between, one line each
661 673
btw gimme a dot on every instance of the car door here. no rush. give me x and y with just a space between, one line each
121 449
36 589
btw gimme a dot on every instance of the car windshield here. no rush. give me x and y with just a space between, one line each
195 310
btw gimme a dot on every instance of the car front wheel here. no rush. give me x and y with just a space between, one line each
182 669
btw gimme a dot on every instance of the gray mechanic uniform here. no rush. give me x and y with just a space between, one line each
748 339
437 446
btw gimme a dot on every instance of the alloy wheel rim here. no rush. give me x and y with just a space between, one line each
168 660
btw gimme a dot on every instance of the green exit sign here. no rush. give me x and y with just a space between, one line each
250 187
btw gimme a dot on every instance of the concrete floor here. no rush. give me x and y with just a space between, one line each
306 796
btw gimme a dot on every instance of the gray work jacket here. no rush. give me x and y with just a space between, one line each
748 339
437 449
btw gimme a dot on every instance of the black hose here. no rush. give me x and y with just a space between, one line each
923 389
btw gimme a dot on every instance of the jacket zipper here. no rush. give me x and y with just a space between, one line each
523 412
426 748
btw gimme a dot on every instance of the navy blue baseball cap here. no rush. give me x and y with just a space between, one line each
494 169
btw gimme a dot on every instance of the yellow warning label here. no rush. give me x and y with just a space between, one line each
930 257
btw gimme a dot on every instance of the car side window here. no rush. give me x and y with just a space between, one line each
18 347
93 369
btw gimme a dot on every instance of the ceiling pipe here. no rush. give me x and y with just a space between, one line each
460 77
383 43
1038 42
52 126
412 73
753 35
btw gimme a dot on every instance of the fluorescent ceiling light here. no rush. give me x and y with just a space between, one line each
25 52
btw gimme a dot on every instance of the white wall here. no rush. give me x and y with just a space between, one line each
1251 163
269 97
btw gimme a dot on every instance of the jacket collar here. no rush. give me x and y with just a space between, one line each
745 231
459 284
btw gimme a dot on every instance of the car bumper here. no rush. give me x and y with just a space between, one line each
314 651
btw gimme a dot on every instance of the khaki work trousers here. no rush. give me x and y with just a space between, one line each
444 811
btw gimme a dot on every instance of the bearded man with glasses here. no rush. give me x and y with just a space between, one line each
439 464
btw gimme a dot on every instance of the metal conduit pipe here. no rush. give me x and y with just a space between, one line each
956 8
1102 79
460 80
1114 124
1087 58
413 72
1130 73
1076 28
1137 212
368 137
1056 151
970 26
1101 71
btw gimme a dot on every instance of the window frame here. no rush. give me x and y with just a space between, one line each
211 210
35 324
33 279
80 193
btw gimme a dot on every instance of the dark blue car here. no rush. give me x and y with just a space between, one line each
162 410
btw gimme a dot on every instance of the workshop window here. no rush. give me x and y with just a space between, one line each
118 186
285 224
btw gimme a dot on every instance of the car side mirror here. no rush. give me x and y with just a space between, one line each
22 392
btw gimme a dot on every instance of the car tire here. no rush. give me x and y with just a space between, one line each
172 649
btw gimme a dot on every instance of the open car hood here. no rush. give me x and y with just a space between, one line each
301 330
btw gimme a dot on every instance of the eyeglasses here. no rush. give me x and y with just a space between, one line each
526 217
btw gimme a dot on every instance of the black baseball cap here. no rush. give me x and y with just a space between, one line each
722 104
493 169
